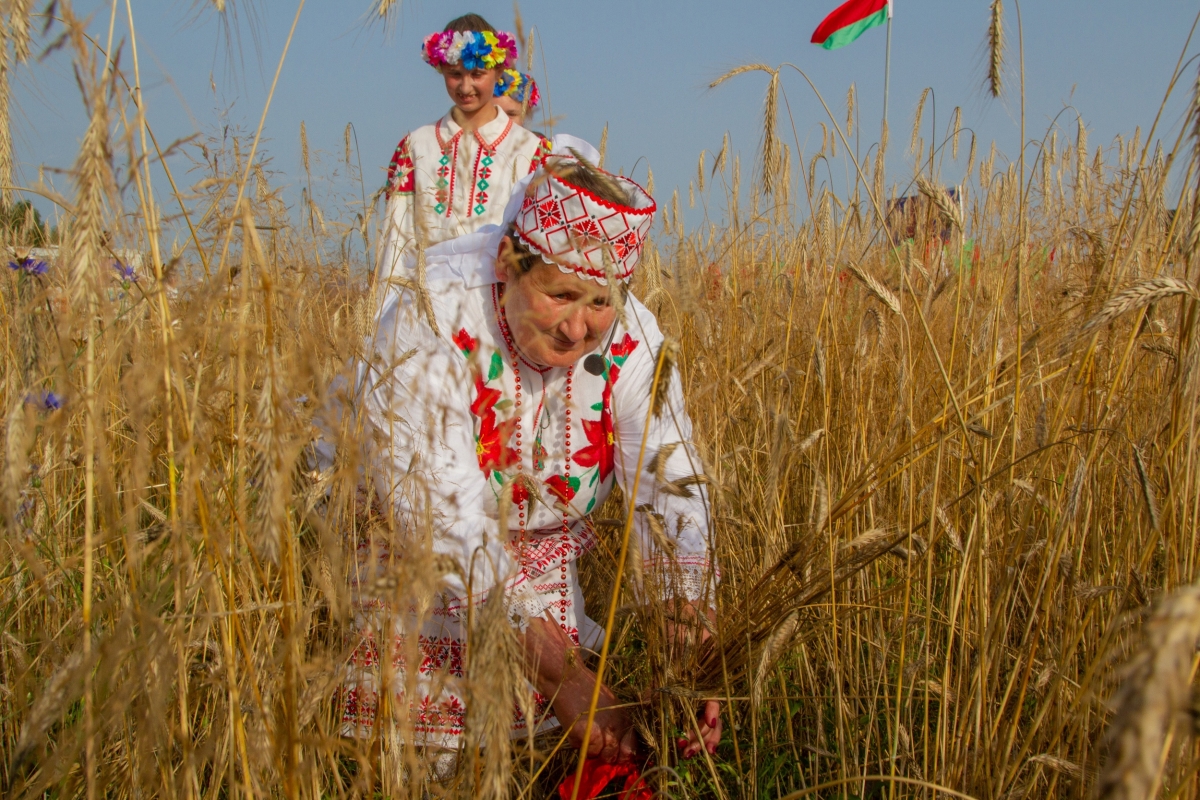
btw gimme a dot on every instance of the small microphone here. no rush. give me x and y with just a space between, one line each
594 364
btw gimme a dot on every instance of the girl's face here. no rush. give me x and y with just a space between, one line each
555 318
470 89
515 110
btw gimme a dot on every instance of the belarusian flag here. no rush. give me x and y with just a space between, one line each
848 21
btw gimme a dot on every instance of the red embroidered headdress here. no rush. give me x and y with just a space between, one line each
580 232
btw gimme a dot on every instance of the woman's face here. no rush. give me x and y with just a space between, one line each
555 318
470 89
515 110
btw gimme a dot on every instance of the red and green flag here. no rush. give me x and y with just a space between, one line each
848 21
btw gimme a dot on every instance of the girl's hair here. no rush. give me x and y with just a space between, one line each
579 174
469 22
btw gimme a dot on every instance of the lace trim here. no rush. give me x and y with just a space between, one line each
524 604
690 577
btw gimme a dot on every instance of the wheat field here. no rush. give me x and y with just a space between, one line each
950 444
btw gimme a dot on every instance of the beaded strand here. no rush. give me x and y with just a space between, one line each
515 358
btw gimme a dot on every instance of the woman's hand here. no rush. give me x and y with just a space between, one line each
683 626
710 731
556 668
612 738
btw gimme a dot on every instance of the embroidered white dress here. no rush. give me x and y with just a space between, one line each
461 424
444 182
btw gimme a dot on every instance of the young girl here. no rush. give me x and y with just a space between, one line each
517 95
454 176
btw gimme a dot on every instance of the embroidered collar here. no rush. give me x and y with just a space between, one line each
489 135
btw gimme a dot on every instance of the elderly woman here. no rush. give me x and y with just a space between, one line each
503 401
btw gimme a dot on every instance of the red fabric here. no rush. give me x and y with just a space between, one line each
847 13
597 775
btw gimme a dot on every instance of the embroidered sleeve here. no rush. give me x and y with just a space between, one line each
672 512
543 149
398 235
424 459
400 178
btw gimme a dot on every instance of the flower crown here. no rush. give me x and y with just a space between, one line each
580 232
471 49
519 86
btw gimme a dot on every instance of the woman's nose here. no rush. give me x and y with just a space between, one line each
574 326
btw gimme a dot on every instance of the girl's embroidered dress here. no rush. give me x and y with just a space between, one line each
445 182
461 423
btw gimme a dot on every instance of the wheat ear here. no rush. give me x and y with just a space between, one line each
1155 691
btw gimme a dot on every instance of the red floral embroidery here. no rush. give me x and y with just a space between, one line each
588 229
623 348
520 493
485 398
491 446
491 442
562 487
465 342
600 435
600 444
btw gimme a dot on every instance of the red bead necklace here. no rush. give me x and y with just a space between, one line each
515 358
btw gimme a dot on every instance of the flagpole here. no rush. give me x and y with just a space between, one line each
887 69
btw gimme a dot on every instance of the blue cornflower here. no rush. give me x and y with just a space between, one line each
47 401
30 266
125 272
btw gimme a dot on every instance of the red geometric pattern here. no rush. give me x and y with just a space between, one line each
400 170
539 553
441 716
577 229
544 149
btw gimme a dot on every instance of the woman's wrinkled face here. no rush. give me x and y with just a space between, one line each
470 89
555 318
515 110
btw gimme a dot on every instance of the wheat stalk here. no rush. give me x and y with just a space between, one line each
770 147
955 130
949 210
6 152
875 287
382 8
1057 764
1147 489
916 129
1154 692
1138 296
850 106
995 42
669 354
733 73
1165 349
772 649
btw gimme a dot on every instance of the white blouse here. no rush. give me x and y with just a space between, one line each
444 182
506 456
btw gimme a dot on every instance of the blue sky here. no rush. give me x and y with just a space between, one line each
642 66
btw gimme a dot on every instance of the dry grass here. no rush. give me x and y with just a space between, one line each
938 549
